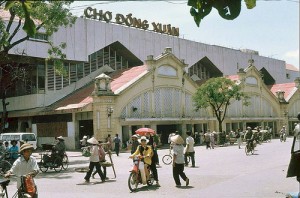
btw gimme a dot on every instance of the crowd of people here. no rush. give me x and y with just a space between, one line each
144 146
10 151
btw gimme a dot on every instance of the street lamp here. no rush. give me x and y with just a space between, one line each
110 110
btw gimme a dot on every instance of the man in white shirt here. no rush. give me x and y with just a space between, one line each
189 150
24 165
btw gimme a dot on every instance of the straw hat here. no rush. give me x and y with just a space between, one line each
177 139
143 138
134 136
25 146
93 141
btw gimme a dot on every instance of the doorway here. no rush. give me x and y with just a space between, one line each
165 130
86 128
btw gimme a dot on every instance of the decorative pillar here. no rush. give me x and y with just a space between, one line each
103 108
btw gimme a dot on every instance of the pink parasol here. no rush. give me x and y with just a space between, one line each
143 131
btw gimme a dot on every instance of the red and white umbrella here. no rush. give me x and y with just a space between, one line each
144 131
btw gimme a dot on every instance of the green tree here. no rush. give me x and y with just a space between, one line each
32 17
228 9
218 93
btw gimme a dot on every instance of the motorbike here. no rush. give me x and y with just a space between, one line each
282 137
137 175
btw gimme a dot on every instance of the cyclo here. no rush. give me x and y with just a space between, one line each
50 158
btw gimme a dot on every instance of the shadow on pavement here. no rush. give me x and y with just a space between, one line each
185 187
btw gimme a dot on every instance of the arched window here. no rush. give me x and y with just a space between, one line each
167 70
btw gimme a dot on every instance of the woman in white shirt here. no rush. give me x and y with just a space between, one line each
94 160
178 160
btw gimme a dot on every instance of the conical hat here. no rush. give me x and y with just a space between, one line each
92 141
177 139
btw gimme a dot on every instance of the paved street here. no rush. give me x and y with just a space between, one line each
219 172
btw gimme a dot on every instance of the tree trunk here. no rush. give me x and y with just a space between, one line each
4 113
220 126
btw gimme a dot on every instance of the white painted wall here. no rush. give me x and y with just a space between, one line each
87 36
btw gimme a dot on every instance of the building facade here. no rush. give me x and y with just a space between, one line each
109 88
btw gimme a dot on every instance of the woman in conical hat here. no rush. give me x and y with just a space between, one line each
94 160
178 160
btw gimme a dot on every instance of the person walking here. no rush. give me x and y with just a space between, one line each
94 160
109 142
83 142
135 143
101 160
153 158
189 149
117 142
178 160
207 139
238 138
212 140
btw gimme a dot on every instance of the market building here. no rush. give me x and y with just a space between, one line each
122 78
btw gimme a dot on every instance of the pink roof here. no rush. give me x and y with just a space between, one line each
233 77
83 97
123 77
286 87
291 67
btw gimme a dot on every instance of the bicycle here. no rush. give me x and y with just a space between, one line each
27 189
168 158
249 149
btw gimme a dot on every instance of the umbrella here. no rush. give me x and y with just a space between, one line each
143 131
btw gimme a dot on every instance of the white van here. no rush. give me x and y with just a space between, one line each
26 137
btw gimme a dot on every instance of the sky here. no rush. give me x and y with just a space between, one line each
271 28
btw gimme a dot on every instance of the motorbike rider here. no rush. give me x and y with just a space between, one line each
145 153
24 165
249 137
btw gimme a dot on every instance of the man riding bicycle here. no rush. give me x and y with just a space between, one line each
249 137
282 132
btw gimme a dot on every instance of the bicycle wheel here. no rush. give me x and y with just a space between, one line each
4 166
167 159
65 162
247 150
42 166
252 151
57 165
132 182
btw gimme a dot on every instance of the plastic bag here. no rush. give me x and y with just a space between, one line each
86 152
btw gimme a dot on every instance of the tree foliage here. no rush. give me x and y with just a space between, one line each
31 17
228 9
218 93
